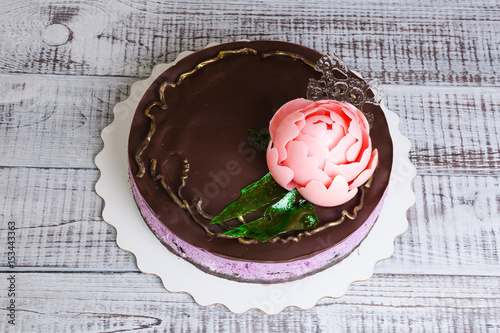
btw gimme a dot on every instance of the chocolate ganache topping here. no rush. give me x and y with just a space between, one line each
189 140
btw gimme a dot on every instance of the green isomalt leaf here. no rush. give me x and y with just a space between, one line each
253 197
261 139
289 213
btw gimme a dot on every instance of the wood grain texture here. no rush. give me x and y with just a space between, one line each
439 62
128 302
450 42
453 130
453 227
55 122
59 211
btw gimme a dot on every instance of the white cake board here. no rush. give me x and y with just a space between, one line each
178 275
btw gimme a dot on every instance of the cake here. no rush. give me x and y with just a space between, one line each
199 137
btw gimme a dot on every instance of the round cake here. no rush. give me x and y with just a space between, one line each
195 148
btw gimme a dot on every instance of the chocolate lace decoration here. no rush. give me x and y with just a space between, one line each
341 84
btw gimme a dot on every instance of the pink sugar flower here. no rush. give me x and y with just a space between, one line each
322 148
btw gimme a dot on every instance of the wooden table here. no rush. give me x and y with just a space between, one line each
65 64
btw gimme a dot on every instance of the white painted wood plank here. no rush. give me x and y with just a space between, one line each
453 42
453 228
57 121
54 121
453 130
58 220
131 301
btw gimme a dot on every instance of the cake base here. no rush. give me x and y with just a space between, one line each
202 122
178 275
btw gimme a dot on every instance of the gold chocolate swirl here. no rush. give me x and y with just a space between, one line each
164 184
220 56
294 56
147 140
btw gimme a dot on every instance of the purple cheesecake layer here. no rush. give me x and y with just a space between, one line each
254 271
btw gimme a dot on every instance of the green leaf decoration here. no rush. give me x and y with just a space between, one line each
292 212
261 139
253 197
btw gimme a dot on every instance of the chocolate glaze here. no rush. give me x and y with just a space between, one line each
207 122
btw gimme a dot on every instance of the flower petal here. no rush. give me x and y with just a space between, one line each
319 117
281 174
349 170
286 132
336 194
315 147
367 173
304 167
338 155
333 136
356 130
285 110
360 117
315 129
324 128
363 143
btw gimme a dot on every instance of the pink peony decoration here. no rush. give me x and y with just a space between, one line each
321 148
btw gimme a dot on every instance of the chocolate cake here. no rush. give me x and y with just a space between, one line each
190 156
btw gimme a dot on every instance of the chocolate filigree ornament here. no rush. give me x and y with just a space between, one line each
341 84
